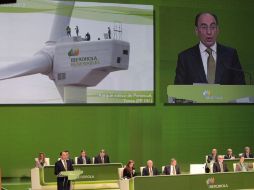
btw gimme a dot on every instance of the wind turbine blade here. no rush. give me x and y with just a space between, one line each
61 20
39 63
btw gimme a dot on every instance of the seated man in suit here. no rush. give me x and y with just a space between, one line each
213 157
220 166
63 165
149 170
208 62
229 154
83 159
247 153
172 169
102 158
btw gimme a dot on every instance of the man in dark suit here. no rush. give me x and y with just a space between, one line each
63 165
149 170
83 159
220 166
229 154
102 158
172 169
208 61
247 153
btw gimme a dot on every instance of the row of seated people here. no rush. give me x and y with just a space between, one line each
150 170
174 169
101 158
171 169
213 157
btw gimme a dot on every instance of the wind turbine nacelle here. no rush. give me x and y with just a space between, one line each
83 63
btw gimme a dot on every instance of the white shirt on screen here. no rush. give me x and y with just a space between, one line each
204 54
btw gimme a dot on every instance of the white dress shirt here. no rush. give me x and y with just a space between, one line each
64 164
172 170
204 54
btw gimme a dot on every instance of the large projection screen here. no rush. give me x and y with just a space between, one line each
178 34
76 52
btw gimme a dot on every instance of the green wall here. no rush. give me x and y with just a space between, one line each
156 132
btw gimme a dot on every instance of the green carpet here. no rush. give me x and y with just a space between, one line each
16 186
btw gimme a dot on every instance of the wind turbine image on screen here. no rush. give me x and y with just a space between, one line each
72 61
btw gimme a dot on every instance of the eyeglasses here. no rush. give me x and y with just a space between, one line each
205 27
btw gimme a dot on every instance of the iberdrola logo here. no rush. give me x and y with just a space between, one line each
210 181
207 93
73 52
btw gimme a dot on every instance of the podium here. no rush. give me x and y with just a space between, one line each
205 93
72 175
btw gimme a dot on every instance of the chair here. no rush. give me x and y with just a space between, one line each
162 170
206 158
234 167
47 161
120 173
141 170
76 160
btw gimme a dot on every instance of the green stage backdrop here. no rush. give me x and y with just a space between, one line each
156 132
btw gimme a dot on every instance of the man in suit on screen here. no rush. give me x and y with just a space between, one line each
208 61
63 165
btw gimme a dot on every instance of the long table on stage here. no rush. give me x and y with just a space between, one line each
95 176
230 163
230 181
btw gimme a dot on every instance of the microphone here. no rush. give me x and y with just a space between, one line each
240 70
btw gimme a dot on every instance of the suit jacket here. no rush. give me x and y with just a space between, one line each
167 170
210 158
145 171
216 167
59 167
97 159
80 160
250 155
190 67
228 157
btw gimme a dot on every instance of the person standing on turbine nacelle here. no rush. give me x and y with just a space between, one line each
77 30
68 31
